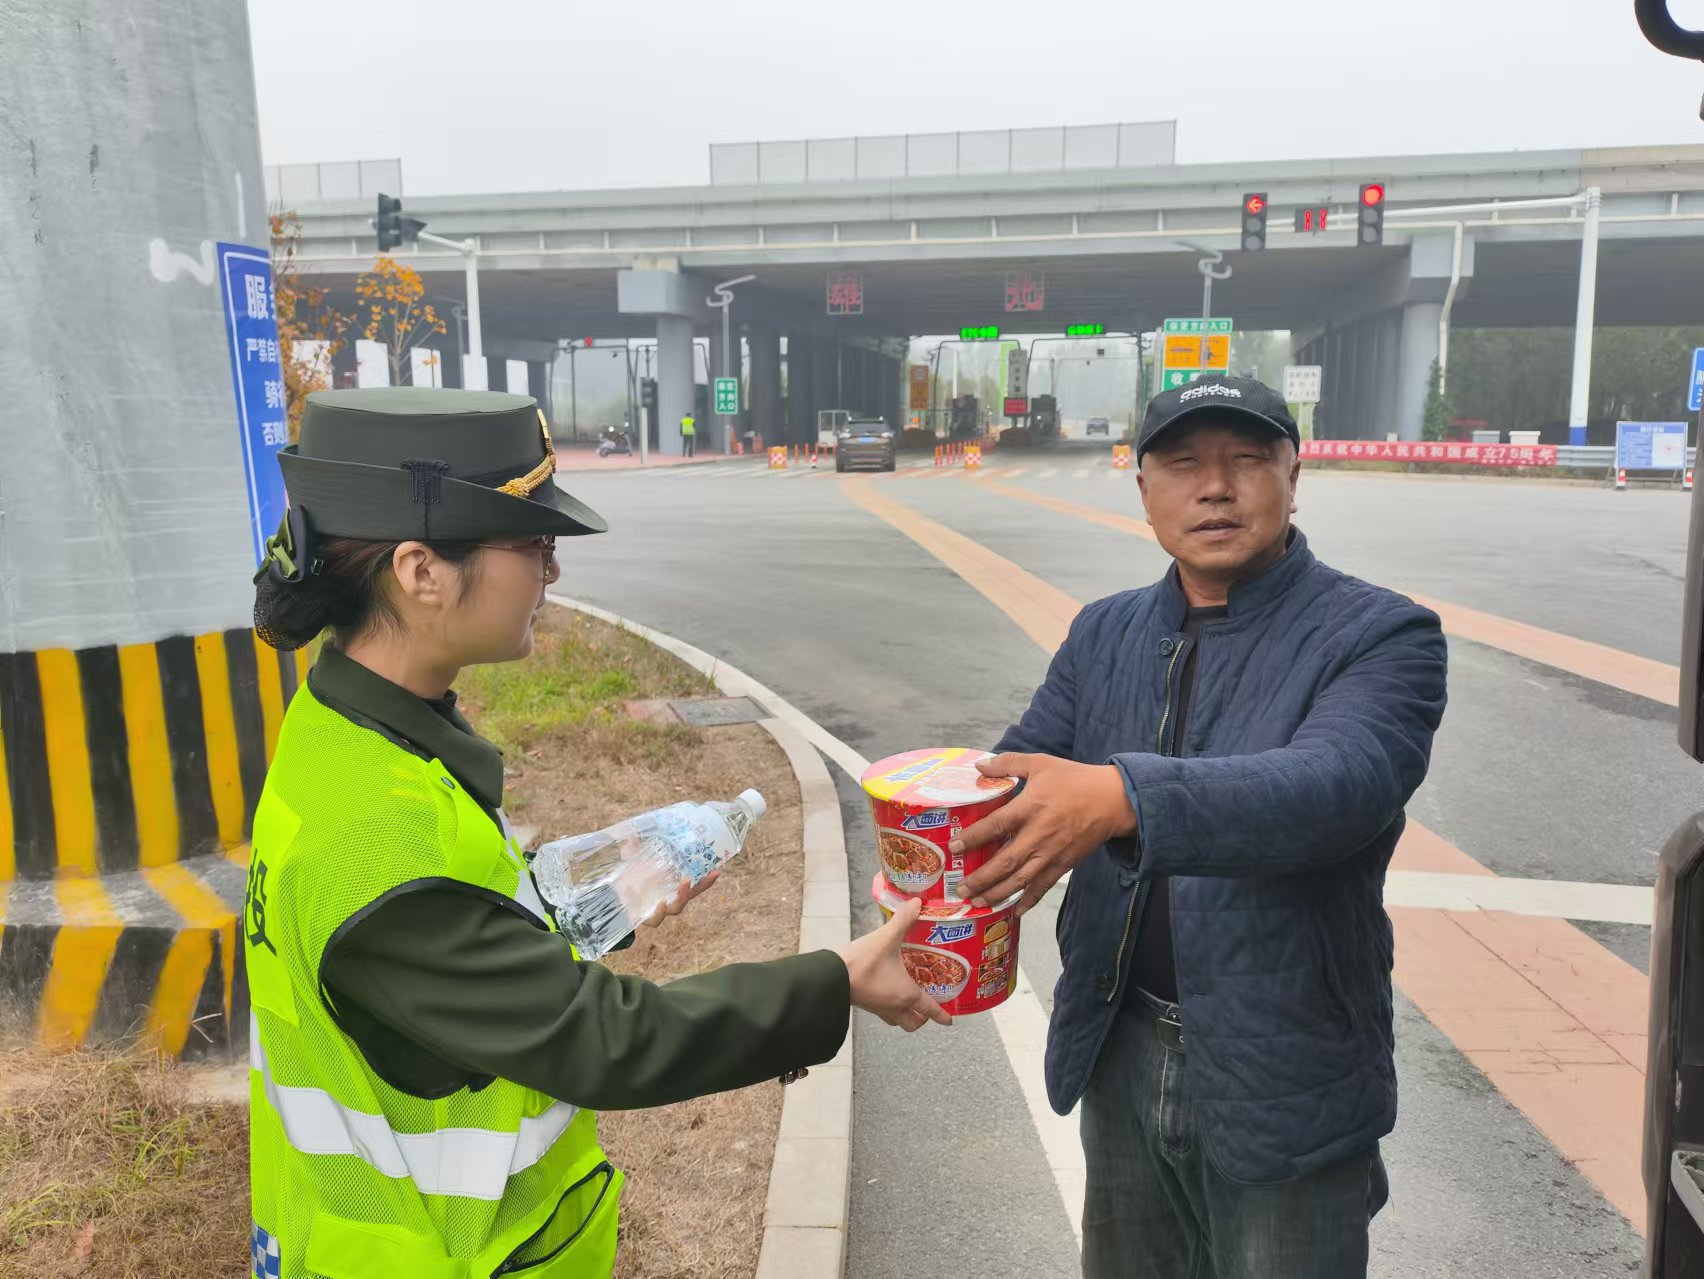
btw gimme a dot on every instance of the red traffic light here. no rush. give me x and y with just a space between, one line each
1372 193
1254 204
585 341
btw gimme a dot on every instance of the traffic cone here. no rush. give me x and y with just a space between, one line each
1620 477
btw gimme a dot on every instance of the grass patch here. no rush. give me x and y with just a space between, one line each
107 1167
581 674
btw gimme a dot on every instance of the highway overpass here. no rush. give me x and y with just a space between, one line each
933 253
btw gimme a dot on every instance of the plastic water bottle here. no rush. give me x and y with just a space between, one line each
599 886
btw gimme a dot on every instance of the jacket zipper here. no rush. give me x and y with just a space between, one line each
1137 896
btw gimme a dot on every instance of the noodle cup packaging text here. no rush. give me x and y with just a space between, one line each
966 958
920 801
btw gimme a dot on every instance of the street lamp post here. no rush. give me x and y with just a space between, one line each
723 297
469 249
1210 269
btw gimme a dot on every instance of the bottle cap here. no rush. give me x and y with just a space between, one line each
754 801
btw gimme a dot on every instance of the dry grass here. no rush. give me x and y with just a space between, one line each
106 1168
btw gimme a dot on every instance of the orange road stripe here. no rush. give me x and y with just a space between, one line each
271 692
1597 662
1532 1003
238 856
219 721
69 779
1631 674
1041 610
82 952
150 758
1553 1019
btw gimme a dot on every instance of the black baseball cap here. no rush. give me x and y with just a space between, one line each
1239 398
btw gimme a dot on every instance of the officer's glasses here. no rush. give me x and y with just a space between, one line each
544 547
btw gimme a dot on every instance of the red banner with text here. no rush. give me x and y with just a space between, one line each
1419 451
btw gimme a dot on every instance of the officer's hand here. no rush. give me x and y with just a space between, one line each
685 893
1065 812
880 984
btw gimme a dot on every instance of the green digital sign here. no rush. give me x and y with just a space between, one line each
1085 330
980 333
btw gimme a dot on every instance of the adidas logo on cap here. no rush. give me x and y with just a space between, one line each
1196 392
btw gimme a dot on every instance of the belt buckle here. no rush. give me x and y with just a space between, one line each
1170 1032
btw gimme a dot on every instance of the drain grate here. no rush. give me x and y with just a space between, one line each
717 712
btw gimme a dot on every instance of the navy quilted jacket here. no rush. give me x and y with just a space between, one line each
1311 725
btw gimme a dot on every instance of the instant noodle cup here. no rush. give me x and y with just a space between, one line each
966 958
921 800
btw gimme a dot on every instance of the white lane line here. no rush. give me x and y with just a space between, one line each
1082 473
1050 473
1014 472
1021 1020
1548 898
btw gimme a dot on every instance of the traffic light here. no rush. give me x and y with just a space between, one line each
1369 226
393 228
648 396
1254 222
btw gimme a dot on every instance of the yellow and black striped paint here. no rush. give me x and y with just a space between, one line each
128 780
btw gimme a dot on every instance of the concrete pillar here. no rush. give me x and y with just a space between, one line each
138 709
766 409
802 364
538 385
1418 348
1387 407
674 379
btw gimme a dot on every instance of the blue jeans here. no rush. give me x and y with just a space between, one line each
1157 1208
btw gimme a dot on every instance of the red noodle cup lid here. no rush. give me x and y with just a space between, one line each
942 778
891 899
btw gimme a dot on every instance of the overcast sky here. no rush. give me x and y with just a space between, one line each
514 95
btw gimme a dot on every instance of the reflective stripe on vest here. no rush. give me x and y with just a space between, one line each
475 1163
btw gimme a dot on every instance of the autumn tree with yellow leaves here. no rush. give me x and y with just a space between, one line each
310 328
397 314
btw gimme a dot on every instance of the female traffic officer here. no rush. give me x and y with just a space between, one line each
427 1050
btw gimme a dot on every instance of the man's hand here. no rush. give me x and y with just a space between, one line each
685 893
1065 812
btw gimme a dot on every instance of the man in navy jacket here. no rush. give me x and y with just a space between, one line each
1221 761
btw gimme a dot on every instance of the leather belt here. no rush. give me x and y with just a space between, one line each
1168 1019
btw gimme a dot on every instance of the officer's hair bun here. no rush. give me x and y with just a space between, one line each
291 615
341 589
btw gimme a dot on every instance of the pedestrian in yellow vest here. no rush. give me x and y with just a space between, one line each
427 1051
688 436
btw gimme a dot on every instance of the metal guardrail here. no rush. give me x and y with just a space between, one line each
1601 457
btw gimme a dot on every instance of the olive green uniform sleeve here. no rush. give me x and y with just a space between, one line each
440 987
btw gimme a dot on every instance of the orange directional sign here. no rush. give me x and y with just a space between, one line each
1218 352
1183 351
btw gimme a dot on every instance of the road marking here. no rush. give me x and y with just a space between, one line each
1555 1021
1599 663
1544 898
1049 473
1082 473
1021 1021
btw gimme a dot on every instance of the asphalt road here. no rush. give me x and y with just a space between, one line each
1536 774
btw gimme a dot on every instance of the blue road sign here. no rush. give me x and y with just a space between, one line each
257 375
1650 446
1695 389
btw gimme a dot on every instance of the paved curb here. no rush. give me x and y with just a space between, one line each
806 1216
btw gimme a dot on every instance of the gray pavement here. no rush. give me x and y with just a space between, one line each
1536 774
